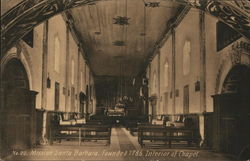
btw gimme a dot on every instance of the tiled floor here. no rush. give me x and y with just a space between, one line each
124 147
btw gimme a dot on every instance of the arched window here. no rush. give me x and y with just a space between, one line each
57 54
72 71
81 81
186 57
166 74
154 85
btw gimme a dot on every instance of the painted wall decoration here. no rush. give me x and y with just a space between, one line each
22 18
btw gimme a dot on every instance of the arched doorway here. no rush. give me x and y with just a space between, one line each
17 108
231 110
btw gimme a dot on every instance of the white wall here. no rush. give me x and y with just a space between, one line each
53 32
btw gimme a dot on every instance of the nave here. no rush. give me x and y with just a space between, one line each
124 76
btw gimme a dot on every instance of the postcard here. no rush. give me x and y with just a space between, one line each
125 80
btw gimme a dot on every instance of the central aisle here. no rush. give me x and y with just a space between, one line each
124 141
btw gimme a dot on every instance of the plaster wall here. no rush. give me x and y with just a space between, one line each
56 76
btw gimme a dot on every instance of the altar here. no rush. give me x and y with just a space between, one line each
116 112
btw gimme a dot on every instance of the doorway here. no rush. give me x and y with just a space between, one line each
231 112
17 108
153 103
186 99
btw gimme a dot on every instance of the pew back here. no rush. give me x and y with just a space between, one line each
83 132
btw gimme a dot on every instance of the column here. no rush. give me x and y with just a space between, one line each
44 79
67 61
85 86
173 70
90 93
159 110
78 81
44 65
202 62
150 110
202 72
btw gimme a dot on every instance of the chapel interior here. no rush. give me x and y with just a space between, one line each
139 78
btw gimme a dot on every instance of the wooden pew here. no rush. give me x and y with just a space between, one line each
83 132
152 133
131 123
182 134
168 135
66 132
96 132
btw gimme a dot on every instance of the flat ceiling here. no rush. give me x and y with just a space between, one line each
122 44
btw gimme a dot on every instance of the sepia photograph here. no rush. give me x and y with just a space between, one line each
125 80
